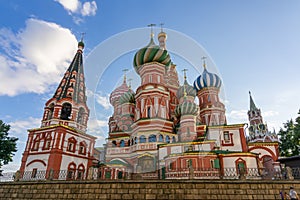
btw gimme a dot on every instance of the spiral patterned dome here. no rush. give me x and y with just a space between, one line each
118 92
127 97
190 91
207 79
186 108
151 53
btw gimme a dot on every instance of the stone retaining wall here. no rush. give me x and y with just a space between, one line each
146 189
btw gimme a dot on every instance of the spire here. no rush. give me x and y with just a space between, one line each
124 71
203 59
185 82
72 85
162 37
252 104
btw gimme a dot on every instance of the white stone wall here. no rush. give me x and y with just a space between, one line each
38 165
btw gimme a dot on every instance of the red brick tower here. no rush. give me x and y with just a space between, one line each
61 143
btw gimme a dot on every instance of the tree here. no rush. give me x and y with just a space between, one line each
8 144
289 138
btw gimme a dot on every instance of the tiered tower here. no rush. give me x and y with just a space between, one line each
212 110
186 112
61 143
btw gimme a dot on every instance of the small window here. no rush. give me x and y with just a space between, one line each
114 143
34 173
122 143
80 116
149 112
226 136
161 138
82 148
150 78
142 139
152 138
167 139
66 111
36 145
71 144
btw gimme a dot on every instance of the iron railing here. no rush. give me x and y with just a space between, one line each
189 173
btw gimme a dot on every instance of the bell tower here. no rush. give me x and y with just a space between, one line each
61 143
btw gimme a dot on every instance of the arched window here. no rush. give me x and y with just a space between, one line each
167 139
135 140
47 142
122 143
80 173
51 110
114 143
152 138
71 171
128 143
71 144
173 139
161 138
36 143
82 148
80 116
142 139
149 112
66 111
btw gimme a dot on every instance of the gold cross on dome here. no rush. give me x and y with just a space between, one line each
204 59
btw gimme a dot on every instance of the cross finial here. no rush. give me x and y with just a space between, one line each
161 26
184 73
151 26
184 90
129 82
82 36
204 64
124 71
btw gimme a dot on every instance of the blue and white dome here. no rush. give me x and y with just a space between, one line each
207 79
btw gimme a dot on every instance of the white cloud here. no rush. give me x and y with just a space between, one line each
20 127
89 8
75 7
70 5
103 101
35 58
237 116
95 128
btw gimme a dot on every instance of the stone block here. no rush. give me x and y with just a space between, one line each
127 196
138 196
150 196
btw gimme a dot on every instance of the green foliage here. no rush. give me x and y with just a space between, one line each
8 144
290 138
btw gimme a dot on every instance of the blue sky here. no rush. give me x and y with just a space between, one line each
253 45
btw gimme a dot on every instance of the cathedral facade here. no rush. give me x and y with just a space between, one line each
158 131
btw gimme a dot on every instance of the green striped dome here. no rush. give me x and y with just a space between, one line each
190 91
186 108
151 53
127 97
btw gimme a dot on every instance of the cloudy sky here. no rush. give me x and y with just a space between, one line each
252 45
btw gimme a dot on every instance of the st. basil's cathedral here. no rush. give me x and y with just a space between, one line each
155 132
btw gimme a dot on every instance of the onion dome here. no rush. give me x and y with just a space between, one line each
186 108
118 92
151 53
81 44
207 79
186 89
127 97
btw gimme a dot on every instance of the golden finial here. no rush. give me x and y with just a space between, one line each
152 25
204 64
161 27
129 82
184 73
124 71
184 76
